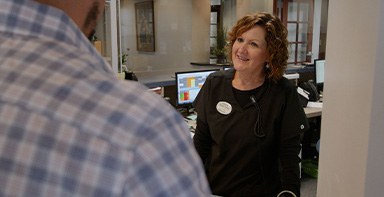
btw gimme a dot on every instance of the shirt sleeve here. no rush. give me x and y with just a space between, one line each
202 138
294 123
165 163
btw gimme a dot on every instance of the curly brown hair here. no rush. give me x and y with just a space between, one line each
276 38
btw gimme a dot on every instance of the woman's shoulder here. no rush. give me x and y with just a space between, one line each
222 74
285 84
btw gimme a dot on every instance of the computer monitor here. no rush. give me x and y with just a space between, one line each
319 73
188 85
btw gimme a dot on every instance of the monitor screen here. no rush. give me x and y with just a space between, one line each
188 85
319 71
319 74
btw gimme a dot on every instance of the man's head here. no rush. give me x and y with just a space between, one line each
85 13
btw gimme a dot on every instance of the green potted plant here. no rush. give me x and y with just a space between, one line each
122 67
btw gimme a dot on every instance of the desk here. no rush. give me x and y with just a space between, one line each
311 137
312 111
166 77
299 69
154 79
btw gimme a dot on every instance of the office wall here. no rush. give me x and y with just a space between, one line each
200 31
235 9
250 6
181 34
351 159
229 14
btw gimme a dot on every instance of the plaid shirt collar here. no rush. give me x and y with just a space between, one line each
41 22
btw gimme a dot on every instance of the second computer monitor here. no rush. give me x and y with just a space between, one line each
319 73
188 85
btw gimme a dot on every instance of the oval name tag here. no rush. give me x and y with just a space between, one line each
224 107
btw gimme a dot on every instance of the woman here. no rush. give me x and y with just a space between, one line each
250 118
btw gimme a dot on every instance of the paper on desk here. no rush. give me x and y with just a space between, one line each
192 117
315 104
303 92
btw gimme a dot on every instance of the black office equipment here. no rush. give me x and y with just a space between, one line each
311 90
227 67
129 75
319 73
188 85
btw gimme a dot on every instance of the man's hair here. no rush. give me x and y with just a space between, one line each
276 38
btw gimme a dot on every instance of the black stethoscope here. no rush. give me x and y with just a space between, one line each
258 127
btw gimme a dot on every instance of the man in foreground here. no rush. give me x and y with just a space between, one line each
68 127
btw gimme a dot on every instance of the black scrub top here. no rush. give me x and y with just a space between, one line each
237 162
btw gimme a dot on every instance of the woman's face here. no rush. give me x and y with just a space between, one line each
249 52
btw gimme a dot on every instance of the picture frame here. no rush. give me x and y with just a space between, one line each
145 26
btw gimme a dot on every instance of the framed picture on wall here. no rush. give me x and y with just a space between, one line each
145 28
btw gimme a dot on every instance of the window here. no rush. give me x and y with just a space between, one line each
297 16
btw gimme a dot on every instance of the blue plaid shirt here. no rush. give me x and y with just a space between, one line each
68 127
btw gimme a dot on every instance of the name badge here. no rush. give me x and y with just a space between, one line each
224 107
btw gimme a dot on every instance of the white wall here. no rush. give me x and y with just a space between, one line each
375 172
245 7
175 24
351 158
200 30
236 9
229 14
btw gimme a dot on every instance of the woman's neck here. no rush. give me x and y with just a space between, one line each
248 81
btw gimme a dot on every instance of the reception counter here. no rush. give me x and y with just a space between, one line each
166 77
